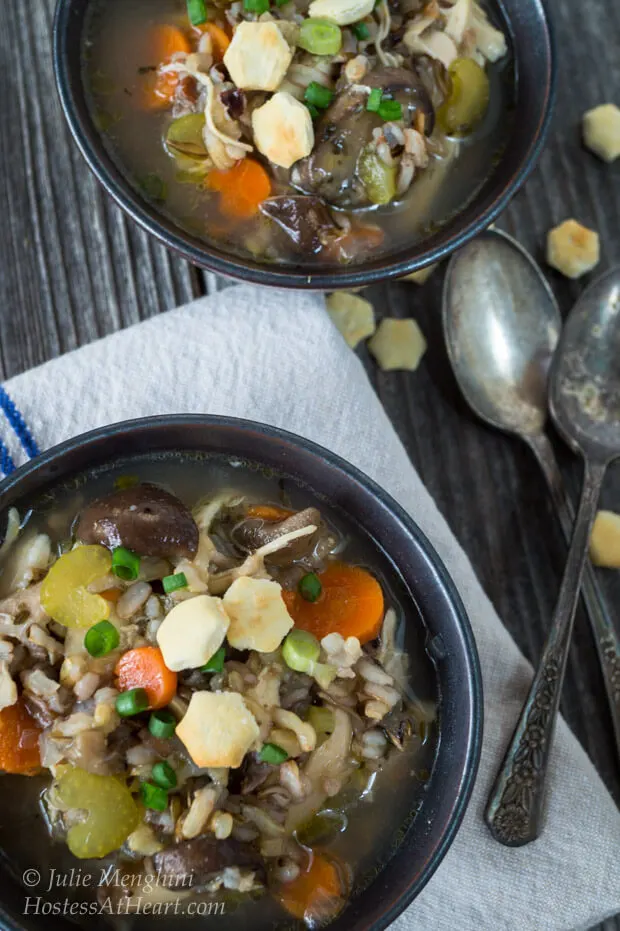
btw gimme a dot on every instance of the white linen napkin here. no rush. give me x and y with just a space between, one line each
275 357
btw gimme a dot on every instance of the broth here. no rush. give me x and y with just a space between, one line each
117 63
370 838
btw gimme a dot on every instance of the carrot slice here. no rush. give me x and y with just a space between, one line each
19 740
219 39
242 188
350 604
112 595
268 512
144 668
163 41
318 894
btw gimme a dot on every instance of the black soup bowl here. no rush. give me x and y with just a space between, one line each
417 815
530 96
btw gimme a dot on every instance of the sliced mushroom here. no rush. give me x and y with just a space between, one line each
251 534
193 862
436 81
306 221
145 519
347 126
310 229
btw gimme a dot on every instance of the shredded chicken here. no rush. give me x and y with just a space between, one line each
8 689
389 59
254 565
11 532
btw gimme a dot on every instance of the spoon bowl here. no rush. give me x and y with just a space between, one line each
585 377
501 323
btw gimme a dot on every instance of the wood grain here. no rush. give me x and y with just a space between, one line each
74 268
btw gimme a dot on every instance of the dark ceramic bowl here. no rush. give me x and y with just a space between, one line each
441 625
526 23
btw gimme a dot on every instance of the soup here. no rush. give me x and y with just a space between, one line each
323 132
202 679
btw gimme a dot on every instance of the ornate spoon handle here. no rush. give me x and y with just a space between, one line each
515 808
605 636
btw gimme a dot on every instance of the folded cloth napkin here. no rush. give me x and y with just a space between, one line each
275 357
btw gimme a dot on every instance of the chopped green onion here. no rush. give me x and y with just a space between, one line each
154 796
320 37
256 6
216 663
101 639
301 651
132 702
163 775
310 587
272 753
126 481
162 724
154 187
173 583
197 12
390 110
318 95
374 100
360 31
314 113
125 564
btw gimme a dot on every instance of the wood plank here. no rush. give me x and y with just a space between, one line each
74 268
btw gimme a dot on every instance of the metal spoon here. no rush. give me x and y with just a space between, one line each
502 324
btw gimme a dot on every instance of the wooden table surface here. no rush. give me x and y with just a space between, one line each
74 268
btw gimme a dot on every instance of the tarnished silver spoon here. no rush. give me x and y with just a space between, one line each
584 400
502 324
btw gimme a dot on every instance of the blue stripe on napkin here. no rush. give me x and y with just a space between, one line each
6 460
18 423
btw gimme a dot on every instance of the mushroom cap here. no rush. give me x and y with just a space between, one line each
145 518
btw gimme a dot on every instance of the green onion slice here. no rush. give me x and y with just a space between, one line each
163 775
216 663
374 100
320 37
154 187
300 651
132 702
360 31
256 6
154 796
310 587
318 96
173 583
272 753
101 639
197 12
162 724
125 564
390 110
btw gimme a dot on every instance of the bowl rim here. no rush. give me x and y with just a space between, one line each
90 449
201 254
